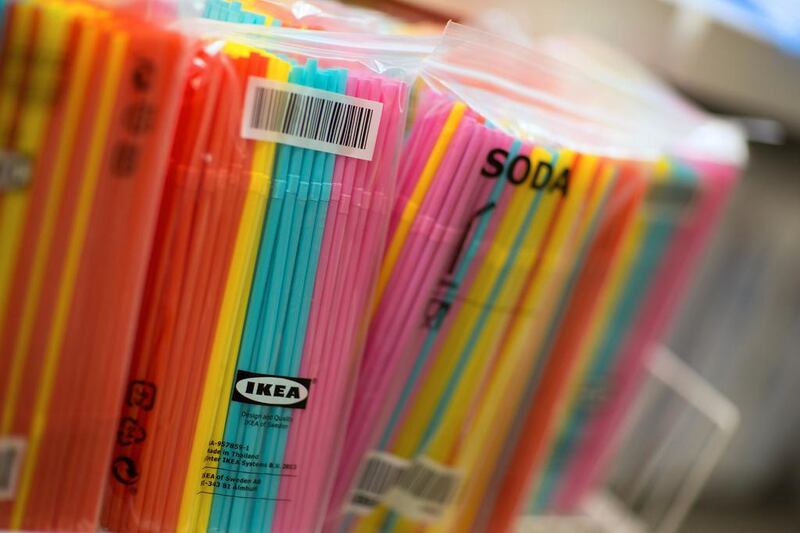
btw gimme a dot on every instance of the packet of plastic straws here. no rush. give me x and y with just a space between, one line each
579 399
530 194
270 232
88 105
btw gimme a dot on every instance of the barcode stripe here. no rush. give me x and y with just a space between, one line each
367 128
7 458
311 117
428 484
378 476
11 450
354 131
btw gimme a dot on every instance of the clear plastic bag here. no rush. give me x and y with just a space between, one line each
683 205
525 189
89 100
271 230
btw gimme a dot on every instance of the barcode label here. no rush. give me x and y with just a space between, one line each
15 171
11 451
424 490
379 472
310 118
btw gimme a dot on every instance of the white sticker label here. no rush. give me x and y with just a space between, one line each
12 450
379 472
305 117
424 490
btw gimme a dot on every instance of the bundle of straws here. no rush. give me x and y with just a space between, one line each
578 369
269 237
578 396
483 243
88 101
513 275
577 356
594 391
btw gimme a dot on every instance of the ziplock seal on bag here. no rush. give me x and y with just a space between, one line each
536 178
271 231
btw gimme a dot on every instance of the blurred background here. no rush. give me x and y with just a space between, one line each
740 327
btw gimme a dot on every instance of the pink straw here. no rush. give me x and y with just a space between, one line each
347 272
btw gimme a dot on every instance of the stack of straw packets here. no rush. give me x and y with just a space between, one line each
88 100
281 295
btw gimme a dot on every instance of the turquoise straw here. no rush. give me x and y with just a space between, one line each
212 10
261 288
277 317
290 345
232 12
267 358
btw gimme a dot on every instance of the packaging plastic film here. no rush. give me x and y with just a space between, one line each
88 101
525 205
274 216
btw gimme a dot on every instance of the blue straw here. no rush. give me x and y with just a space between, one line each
263 278
267 359
289 347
